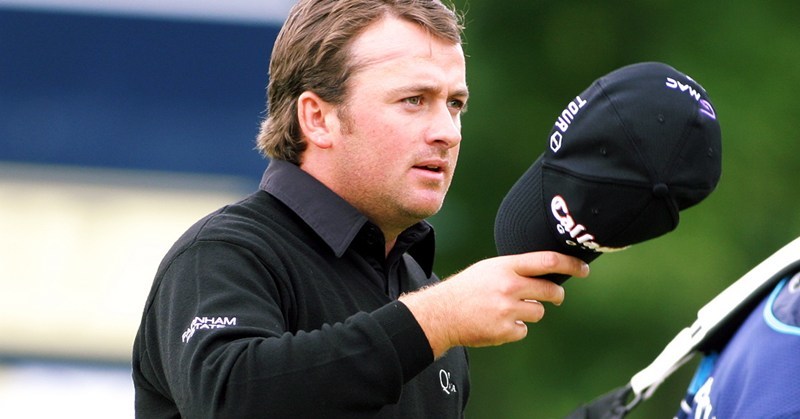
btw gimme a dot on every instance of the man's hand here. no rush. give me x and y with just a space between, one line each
488 303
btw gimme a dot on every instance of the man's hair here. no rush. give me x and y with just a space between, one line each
312 53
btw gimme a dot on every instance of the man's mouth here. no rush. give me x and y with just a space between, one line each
433 165
430 168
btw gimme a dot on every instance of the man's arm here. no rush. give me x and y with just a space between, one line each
489 303
345 369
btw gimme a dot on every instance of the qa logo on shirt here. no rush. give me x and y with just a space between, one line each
444 380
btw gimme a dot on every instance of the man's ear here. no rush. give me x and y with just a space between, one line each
314 114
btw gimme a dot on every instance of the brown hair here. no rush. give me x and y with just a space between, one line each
311 53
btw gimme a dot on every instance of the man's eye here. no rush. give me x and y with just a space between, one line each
457 105
414 100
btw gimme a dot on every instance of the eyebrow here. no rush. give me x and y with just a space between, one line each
427 88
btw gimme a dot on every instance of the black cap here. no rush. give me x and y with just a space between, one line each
623 158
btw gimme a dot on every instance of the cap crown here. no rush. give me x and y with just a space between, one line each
623 158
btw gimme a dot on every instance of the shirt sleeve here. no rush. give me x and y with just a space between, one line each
217 328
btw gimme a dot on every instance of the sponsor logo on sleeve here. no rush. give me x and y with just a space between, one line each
207 323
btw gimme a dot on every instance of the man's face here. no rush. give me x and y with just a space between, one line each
400 132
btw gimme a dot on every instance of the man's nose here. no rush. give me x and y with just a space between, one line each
445 127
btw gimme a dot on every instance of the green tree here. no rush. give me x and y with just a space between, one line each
526 60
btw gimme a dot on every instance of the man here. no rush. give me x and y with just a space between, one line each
314 296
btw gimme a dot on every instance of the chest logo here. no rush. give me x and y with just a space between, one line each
444 380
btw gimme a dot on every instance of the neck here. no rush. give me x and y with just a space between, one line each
389 245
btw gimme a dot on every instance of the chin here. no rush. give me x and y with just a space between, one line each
422 212
422 205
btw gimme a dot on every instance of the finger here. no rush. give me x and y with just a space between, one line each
539 290
531 311
536 264
521 330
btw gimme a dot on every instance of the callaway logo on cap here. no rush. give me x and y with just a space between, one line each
623 159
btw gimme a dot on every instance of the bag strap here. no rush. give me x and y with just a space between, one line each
715 324
717 320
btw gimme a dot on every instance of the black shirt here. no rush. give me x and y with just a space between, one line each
283 305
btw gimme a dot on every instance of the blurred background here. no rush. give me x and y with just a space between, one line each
123 122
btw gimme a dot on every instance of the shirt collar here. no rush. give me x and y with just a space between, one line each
331 217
